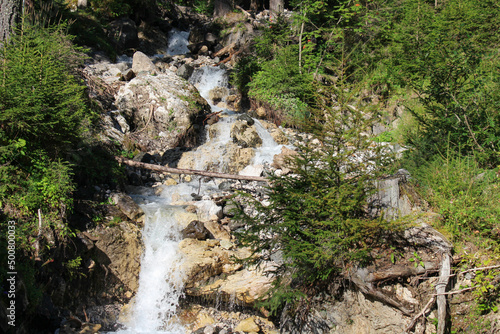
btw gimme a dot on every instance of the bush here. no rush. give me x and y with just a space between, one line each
464 194
318 218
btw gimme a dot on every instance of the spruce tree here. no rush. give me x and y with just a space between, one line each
320 219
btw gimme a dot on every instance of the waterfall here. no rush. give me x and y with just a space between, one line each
177 42
161 277
154 307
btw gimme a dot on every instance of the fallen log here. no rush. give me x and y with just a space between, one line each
159 168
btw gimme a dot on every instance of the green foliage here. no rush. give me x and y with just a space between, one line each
280 83
111 8
317 219
43 113
41 101
466 195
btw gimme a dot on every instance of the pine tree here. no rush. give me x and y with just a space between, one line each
319 218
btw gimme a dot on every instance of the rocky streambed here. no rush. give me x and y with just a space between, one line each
167 262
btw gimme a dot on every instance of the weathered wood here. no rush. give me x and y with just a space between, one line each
423 312
159 168
227 49
444 276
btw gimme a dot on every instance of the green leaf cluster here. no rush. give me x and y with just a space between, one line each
43 114
319 218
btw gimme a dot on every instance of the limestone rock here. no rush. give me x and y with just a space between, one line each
217 94
127 205
185 71
120 248
248 326
250 170
217 230
279 137
208 210
204 260
164 109
196 230
245 135
261 112
280 161
142 64
246 286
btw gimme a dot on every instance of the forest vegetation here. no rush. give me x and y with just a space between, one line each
332 62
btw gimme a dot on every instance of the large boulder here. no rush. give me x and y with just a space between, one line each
162 110
142 64
212 273
119 250
127 205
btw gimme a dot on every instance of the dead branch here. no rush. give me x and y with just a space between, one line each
159 168
244 11
227 49
440 290
228 58
424 310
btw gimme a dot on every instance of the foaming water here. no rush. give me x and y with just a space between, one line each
161 277
177 42
207 78
265 153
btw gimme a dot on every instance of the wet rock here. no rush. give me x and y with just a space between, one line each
246 118
217 94
196 230
248 326
185 71
245 135
208 210
127 205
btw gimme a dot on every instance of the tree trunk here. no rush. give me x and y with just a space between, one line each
276 7
222 7
9 15
159 168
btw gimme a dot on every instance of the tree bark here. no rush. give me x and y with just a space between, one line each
9 16
222 7
159 168
276 7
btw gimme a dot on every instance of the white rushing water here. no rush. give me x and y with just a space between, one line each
177 42
161 278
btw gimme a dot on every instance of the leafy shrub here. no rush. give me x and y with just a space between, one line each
466 195
317 218
41 100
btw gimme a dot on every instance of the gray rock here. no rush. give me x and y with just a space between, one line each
127 205
127 75
185 71
229 209
196 230
245 135
141 64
